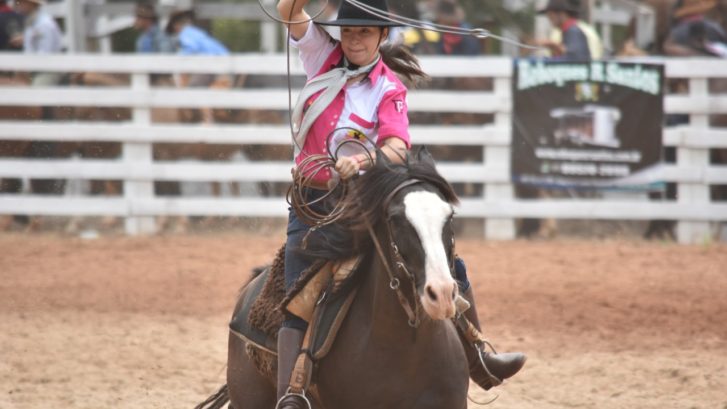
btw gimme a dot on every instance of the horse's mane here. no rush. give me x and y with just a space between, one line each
364 205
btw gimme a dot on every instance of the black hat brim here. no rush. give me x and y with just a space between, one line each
545 11
557 8
176 16
357 22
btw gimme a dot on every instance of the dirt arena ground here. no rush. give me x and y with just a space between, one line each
141 322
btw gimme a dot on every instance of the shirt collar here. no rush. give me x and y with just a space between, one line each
568 24
375 72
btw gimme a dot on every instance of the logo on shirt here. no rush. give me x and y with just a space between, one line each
399 105
356 134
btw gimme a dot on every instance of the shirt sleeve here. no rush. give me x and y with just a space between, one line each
394 118
42 38
187 43
314 48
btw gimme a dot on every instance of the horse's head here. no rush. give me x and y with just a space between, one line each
414 216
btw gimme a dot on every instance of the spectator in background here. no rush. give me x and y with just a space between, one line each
41 35
11 28
451 14
573 39
152 39
421 42
693 34
11 39
192 40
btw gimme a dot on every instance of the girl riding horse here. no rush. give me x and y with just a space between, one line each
354 92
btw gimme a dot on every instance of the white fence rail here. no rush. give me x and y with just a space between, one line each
693 173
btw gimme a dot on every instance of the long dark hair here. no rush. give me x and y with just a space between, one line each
402 61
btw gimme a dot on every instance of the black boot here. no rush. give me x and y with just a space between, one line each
289 341
500 366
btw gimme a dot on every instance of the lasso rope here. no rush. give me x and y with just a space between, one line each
441 28
388 16
304 178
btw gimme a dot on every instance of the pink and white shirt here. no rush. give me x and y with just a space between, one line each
375 107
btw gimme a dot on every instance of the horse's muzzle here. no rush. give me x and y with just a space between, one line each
438 299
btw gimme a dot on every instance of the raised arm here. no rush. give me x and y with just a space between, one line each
292 10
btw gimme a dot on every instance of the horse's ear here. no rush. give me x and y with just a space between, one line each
423 156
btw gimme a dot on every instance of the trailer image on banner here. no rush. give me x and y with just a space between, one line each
587 124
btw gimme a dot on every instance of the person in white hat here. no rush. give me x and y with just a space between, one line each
41 35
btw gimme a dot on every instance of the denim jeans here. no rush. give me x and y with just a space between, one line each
295 262
460 274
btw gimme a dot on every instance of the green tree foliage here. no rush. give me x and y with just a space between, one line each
239 36
494 12
124 41
494 16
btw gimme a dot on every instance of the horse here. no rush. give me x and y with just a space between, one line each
382 358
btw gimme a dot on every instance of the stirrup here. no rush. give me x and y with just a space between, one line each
290 393
480 347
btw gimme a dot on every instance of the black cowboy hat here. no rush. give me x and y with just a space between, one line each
146 10
573 6
176 16
350 15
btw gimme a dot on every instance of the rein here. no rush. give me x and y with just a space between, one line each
413 313
394 282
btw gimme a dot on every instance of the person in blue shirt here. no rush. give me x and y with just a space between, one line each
152 39
11 28
192 40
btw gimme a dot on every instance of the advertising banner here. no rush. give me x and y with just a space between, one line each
587 124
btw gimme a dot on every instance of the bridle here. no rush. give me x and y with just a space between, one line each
413 312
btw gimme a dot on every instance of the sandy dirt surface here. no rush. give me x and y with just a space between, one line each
142 322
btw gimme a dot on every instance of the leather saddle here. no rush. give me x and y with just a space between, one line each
259 312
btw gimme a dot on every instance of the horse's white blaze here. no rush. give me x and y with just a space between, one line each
427 213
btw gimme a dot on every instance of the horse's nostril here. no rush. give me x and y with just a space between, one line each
431 293
454 293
